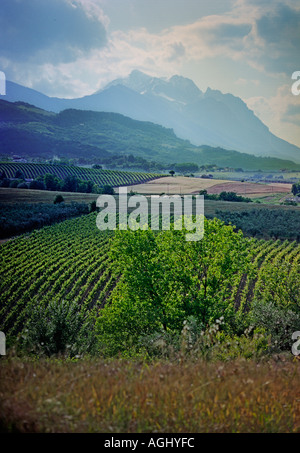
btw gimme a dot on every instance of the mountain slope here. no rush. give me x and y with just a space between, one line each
99 136
211 118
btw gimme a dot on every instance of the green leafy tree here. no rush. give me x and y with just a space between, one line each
165 279
70 184
186 167
107 190
51 182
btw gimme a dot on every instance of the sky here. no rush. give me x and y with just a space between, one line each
71 48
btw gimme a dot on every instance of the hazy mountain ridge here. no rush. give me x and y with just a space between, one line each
204 118
95 136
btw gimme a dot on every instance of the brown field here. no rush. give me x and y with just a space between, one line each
182 185
250 189
117 396
174 185
8 195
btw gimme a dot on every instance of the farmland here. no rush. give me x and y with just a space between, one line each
237 375
70 261
212 387
186 185
99 177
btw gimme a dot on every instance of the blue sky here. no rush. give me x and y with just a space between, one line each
70 48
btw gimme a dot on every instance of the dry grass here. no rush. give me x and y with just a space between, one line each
131 397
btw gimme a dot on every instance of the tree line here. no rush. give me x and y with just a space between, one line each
51 182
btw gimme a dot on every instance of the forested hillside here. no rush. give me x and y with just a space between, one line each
90 137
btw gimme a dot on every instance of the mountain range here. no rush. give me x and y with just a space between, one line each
204 118
110 139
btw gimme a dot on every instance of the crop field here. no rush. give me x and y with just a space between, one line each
70 261
100 177
187 185
250 189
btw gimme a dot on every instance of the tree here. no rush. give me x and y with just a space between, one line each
93 206
166 279
296 188
37 185
187 167
172 172
58 199
107 190
51 182
70 184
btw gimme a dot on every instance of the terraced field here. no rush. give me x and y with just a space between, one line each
70 261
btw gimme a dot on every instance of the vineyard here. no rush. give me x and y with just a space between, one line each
71 261
100 177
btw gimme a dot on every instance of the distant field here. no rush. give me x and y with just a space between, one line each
246 175
8 195
176 185
250 189
184 185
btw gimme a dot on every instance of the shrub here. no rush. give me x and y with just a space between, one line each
279 323
60 328
93 206
107 190
58 199
37 185
22 185
14 183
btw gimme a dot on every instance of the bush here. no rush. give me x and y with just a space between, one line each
107 190
59 328
207 343
37 185
22 185
5 182
14 183
58 199
278 322
93 206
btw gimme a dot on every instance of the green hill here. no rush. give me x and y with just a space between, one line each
100 136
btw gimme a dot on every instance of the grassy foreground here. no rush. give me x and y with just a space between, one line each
165 397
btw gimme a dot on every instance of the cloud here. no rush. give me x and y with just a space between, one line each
261 34
43 31
279 29
177 51
281 110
